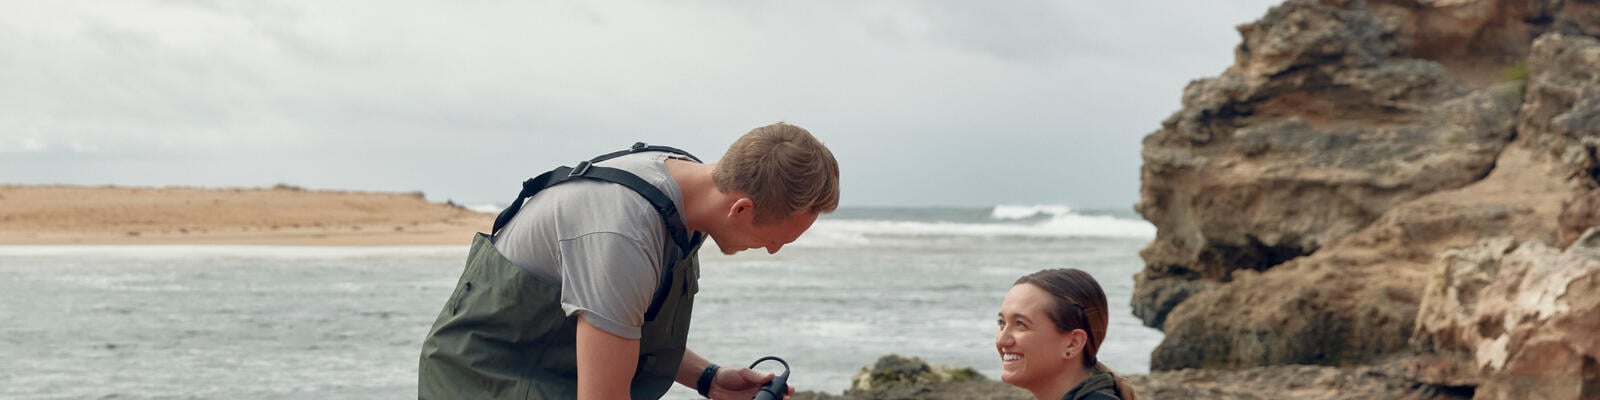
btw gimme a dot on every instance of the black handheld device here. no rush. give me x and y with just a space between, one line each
779 385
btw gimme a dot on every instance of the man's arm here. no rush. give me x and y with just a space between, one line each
731 382
690 369
605 362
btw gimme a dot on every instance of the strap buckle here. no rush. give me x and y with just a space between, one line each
638 146
582 168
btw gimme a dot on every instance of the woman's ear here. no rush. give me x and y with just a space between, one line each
1076 340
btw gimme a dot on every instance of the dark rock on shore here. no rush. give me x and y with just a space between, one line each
1388 381
1291 382
899 377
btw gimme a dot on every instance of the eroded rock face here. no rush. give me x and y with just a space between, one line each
1561 117
1317 129
1578 213
1356 300
1562 121
1302 198
1515 319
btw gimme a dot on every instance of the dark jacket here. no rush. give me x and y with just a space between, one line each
1100 385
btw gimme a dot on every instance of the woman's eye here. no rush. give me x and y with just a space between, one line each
1000 322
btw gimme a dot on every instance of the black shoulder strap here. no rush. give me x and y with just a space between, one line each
641 147
534 186
663 205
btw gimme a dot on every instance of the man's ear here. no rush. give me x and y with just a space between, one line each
742 206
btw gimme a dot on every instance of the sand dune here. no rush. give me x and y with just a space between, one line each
282 215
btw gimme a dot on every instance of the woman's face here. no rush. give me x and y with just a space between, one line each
1032 352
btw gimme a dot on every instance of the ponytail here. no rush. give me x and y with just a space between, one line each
1124 390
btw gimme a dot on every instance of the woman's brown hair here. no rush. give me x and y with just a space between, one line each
1079 303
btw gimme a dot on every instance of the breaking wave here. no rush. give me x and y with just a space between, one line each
1049 221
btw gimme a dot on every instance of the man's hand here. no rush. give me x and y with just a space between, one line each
734 383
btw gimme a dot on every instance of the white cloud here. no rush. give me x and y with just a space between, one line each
458 98
23 145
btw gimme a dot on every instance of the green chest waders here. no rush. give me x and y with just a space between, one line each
502 334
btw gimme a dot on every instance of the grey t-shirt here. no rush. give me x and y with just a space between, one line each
602 241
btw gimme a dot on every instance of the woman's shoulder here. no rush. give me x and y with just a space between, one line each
1099 395
1098 386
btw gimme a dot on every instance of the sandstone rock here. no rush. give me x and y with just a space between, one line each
1303 197
1580 18
1515 319
1157 297
1316 130
1356 300
1579 212
1561 117
1475 39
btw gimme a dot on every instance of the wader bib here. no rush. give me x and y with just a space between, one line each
503 335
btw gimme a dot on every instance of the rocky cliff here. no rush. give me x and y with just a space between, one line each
1313 202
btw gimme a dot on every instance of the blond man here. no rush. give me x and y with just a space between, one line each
585 287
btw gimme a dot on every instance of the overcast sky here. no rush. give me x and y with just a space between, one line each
963 103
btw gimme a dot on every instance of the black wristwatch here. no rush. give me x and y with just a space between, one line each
704 384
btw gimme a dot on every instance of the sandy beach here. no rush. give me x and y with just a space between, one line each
283 215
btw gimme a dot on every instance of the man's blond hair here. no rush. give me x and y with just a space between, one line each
783 169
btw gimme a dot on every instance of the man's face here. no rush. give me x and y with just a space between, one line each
743 234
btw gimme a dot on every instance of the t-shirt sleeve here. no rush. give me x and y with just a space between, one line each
610 278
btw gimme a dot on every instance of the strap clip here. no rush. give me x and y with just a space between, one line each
582 168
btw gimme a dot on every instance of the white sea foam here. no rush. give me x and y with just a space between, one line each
1009 212
1064 226
1010 221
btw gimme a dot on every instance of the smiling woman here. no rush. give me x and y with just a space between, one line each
1052 324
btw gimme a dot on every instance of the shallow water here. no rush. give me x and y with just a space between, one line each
247 322
840 309
185 322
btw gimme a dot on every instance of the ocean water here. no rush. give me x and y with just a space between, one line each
273 322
